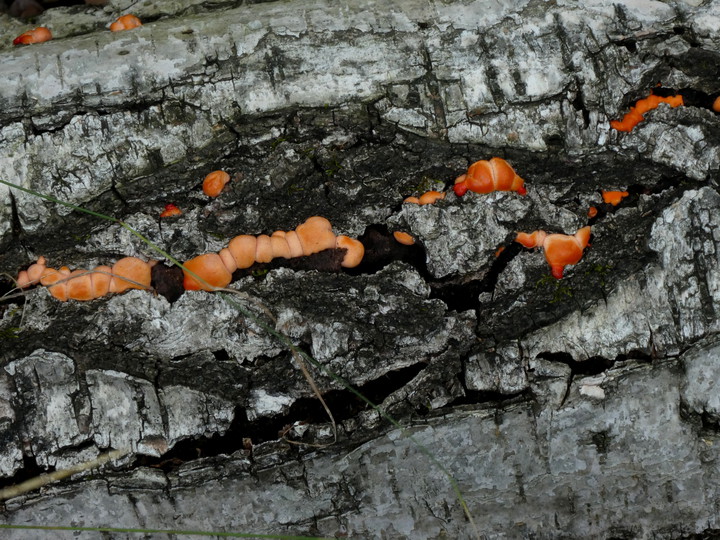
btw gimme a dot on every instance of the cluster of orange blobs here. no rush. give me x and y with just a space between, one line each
213 271
64 284
484 176
496 174
313 236
207 272
42 33
635 115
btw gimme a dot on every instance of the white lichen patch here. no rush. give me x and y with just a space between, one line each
593 391
125 412
261 403
191 413
46 383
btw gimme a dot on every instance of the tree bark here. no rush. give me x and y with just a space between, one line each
581 407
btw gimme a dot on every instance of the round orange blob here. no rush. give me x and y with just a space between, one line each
430 197
135 271
79 287
403 238
215 182
208 267
315 235
716 105
355 251
126 22
487 176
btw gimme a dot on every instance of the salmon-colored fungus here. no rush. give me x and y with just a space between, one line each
613 197
313 236
215 182
170 211
126 22
37 35
403 238
429 197
635 115
486 176
127 273
560 250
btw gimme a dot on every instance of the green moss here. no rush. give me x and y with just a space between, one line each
428 183
559 288
11 332
599 270
81 238
260 273
333 167
294 188
277 142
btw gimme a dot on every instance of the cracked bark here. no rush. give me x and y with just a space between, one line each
585 406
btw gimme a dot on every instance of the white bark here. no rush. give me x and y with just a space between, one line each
343 108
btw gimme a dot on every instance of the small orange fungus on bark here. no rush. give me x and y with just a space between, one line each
170 211
215 182
429 197
560 250
127 273
313 236
635 115
126 22
592 212
208 267
486 176
355 251
614 197
37 35
716 105
404 238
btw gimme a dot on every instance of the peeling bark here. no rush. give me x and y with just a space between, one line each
577 407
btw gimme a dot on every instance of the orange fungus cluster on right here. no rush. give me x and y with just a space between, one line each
635 115
560 250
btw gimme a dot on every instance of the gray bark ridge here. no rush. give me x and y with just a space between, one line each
584 407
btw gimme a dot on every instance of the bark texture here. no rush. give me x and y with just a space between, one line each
581 407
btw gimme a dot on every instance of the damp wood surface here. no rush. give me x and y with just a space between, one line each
580 407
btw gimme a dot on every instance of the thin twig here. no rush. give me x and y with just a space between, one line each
35 483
